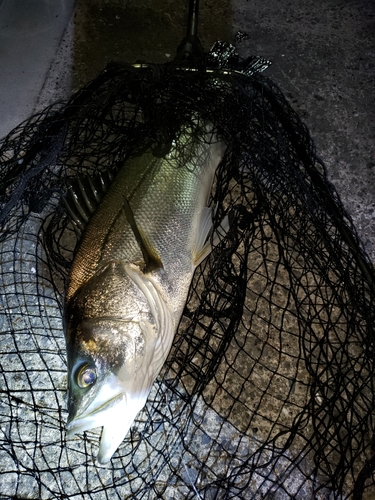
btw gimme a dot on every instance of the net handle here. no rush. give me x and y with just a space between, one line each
193 18
190 51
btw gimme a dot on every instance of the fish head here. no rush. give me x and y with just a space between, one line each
111 336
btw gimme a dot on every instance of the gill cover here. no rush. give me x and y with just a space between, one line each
126 355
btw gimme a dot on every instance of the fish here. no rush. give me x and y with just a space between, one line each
142 235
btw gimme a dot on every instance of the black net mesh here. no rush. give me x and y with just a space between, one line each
268 391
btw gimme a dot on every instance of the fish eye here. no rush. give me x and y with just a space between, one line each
86 376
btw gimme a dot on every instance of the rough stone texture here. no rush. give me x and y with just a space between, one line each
323 57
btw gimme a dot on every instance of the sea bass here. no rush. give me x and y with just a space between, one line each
130 278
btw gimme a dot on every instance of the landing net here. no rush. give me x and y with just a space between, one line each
268 391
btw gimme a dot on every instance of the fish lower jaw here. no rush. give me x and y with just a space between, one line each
116 417
84 422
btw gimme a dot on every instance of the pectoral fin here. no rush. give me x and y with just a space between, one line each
150 256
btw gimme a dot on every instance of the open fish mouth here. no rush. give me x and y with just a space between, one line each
116 416
95 416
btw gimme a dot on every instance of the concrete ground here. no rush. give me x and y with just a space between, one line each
322 52
323 55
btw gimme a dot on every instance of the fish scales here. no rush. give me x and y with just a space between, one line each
121 312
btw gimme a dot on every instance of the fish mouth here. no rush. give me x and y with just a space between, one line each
116 416
94 416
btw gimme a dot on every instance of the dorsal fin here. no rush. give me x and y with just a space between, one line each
84 195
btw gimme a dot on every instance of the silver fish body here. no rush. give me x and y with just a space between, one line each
129 281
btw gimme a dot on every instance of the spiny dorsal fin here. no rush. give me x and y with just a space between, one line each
150 256
83 197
